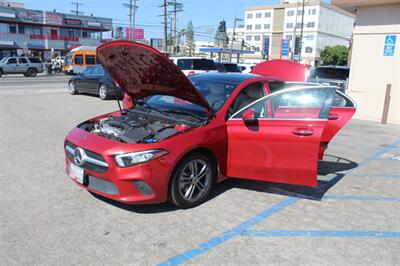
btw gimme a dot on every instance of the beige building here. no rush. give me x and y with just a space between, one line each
375 57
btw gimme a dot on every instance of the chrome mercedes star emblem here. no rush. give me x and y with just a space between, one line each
79 156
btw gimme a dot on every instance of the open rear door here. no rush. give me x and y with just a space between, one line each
277 138
343 109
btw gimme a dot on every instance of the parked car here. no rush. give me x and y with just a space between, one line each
28 66
95 80
194 65
227 67
246 68
332 75
183 134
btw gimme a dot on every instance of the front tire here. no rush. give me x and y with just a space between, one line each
192 180
1 73
103 93
72 88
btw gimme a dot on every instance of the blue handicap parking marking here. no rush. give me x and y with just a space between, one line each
245 228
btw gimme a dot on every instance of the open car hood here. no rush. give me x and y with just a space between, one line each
283 70
143 71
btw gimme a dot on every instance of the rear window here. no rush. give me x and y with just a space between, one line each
35 60
330 73
185 64
23 61
203 64
232 68
90 60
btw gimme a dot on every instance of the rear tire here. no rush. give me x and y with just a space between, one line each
192 180
31 72
103 93
72 88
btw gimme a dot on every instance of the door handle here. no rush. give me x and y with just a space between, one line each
333 116
303 131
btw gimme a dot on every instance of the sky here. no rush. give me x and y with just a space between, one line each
205 14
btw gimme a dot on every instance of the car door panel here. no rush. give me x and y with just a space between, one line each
282 142
340 114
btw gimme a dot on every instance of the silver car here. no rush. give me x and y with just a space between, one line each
28 66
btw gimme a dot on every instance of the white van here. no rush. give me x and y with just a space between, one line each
194 65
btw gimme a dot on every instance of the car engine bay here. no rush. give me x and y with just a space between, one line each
139 125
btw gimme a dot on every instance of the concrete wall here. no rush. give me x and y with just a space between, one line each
370 70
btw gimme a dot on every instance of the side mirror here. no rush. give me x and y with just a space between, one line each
248 116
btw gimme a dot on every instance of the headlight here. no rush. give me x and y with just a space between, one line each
130 159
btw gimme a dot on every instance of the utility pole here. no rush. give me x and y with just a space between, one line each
294 34
165 15
177 7
301 32
132 16
233 37
76 11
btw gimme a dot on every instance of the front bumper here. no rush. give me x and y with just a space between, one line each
139 184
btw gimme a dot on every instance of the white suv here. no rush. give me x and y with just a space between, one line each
194 65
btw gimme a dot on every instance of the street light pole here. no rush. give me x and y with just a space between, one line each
233 37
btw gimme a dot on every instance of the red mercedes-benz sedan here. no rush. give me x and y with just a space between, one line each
183 134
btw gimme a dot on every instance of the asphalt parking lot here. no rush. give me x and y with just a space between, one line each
352 217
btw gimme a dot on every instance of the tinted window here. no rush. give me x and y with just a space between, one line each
330 73
232 68
203 64
90 59
88 71
12 61
98 71
342 101
220 67
78 59
35 60
185 64
23 60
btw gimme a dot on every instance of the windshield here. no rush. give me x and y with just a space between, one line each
330 73
216 92
3 60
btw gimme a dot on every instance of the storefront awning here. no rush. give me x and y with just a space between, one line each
8 45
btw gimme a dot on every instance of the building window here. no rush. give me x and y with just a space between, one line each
258 15
267 26
84 34
257 38
300 12
309 37
290 13
267 14
310 24
289 25
258 27
249 15
288 37
21 29
312 11
249 27
13 28
248 38
298 25
309 50
71 33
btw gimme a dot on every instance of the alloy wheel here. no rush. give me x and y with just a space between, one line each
195 180
71 88
103 92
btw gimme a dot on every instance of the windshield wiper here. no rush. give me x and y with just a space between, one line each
184 113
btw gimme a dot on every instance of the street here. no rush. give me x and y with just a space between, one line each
352 217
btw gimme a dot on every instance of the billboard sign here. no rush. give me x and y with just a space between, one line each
136 33
54 19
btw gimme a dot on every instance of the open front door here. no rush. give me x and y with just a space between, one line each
343 109
277 138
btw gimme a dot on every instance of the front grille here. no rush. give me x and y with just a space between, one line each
93 161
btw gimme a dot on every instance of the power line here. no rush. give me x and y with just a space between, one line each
76 11
132 16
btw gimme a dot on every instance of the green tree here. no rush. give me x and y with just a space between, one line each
190 38
335 55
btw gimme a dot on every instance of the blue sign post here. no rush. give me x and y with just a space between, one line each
285 47
390 45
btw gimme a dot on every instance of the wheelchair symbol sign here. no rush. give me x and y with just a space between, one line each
390 45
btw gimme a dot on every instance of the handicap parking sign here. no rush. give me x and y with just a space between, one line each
390 45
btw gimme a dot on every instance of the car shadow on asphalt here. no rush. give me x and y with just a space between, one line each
329 174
